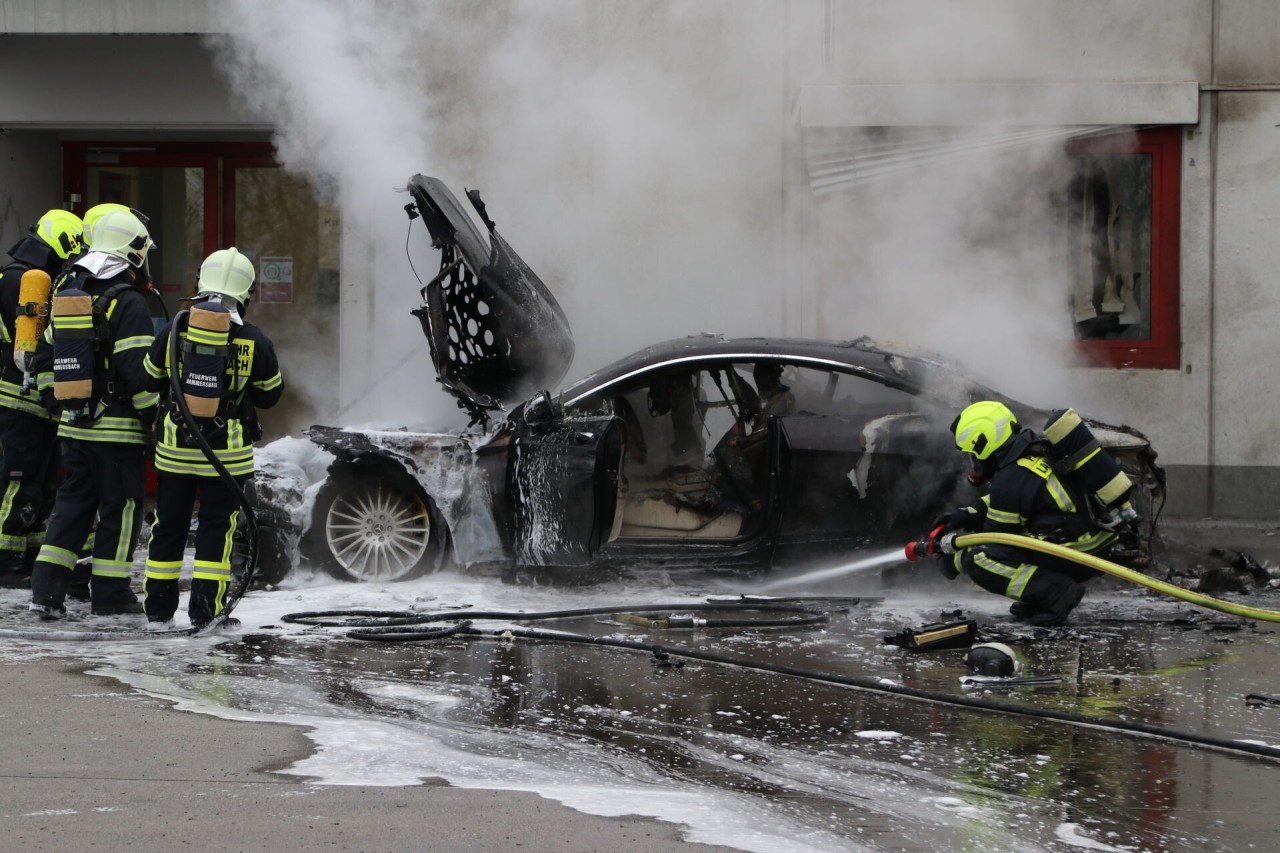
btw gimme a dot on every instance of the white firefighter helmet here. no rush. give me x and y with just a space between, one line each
121 234
993 659
229 273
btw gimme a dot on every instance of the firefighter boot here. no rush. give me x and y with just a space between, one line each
48 590
1057 613
112 597
208 598
160 598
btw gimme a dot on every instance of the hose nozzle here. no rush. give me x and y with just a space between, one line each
932 545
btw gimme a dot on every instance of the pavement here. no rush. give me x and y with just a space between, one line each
90 764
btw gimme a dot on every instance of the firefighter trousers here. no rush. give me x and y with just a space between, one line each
28 480
108 480
1042 582
217 523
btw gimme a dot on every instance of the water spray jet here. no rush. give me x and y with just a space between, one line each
875 561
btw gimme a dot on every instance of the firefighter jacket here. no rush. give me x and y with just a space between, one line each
123 405
253 382
1028 498
13 394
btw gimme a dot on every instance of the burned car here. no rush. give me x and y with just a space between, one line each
706 452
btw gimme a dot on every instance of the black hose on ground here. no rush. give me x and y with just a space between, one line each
365 625
393 625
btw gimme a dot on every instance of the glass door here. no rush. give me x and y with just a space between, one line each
204 196
290 230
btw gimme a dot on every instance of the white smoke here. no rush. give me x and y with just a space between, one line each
637 155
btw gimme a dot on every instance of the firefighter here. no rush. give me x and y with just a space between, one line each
89 369
1026 497
28 432
227 370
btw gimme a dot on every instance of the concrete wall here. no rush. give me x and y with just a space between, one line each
65 17
1213 65
1214 419
30 173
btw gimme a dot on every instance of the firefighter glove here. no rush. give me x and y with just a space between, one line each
947 566
956 519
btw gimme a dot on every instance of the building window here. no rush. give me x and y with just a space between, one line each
1121 209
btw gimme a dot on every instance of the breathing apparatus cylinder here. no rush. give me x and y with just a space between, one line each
1084 459
32 315
73 356
204 358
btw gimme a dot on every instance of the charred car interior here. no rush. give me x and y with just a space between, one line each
701 452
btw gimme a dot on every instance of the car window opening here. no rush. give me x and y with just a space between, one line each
697 459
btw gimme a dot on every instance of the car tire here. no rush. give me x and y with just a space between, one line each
373 523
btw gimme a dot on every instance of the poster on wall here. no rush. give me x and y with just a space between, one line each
275 280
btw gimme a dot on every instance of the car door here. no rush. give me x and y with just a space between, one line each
563 483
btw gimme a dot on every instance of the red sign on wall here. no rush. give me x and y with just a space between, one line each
275 280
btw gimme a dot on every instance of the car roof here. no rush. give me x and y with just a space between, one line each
913 372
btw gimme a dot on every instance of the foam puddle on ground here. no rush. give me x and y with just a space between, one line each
416 714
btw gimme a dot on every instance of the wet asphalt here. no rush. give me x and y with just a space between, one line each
90 763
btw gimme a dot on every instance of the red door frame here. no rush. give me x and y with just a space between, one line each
218 159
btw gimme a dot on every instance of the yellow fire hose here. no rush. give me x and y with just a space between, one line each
1031 544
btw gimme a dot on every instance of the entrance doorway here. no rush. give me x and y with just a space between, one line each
203 197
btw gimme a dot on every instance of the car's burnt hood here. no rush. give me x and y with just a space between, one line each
497 334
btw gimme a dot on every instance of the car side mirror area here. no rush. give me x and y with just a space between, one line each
540 410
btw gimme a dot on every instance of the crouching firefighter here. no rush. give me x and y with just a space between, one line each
89 369
226 370
1035 489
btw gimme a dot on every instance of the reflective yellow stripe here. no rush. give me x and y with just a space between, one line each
211 571
132 343
1059 493
1090 542
268 384
124 548
57 556
11 543
1018 576
1082 462
1065 423
205 337
27 407
999 516
134 435
153 371
164 570
242 469
228 541
1115 488
103 568
145 399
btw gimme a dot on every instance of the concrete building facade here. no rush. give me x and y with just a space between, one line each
1170 109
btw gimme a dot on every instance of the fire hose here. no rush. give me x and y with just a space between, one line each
395 626
937 543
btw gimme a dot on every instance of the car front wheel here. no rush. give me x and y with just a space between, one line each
371 524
